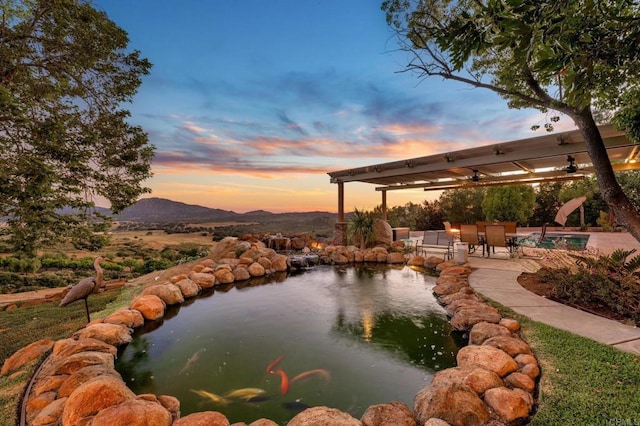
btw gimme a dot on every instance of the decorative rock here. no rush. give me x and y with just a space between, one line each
454 403
203 280
169 293
415 261
177 278
66 347
279 263
395 413
92 397
207 263
452 307
113 334
224 276
480 380
511 345
457 270
383 232
39 402
436 422
467 316
25 355
127 317
265 262
188 287
50 414
150 306
322 415
483 331
71 364
241 274
339 258
511 324
204 418
256 270
450 298
524 359
432 262
83 375
172 404
531 370
136 412
487 357
395 258
520 381
450 287
263 422
508 404
49 383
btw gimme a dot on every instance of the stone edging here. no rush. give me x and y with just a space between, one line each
78 384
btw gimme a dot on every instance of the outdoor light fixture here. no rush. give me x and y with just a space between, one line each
475 177
571 168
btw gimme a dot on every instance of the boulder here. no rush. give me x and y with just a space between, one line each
204 418
457 270
520 381
432 262
25 355
37 403
487 357
49 383
394 413
511 324
66 347
436 422
113 334
279 263
241 274
483 331
202 279
450 287
531 370
321 415
480 380
467 316
83 375
93 396
265 262
75 362
256 270
127 317
455 403
150 306
508 404
177 278
395 258
511 345
172 404
188 287
50 414
415 261
170 294
133 412
383 232
224 276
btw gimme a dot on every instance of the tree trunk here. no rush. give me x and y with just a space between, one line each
611 191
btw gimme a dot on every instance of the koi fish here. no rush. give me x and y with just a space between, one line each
211 396
318 372
284 383
246 394
191 360
273 364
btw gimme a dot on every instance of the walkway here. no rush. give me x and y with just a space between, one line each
497 280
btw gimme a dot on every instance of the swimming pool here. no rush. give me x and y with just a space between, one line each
559 240
344 337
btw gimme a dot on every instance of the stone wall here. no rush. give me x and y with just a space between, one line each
493 383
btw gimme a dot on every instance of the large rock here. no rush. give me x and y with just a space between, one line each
50 414
241 274
85 374
279 263
135 412
127 317
150 306
113 334
204 418
321 416
480 380
394 413
395 258
256 270
93 396
383 232
224 276
66 347
487 357
169 293
188 287
511 345
484 331
455 403
467 316
25 355
75 362
508 404
49 383
202 279
520 381
453 286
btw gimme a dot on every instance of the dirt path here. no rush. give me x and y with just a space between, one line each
30 295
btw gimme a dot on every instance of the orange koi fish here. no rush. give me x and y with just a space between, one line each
273 364
284 384
318 372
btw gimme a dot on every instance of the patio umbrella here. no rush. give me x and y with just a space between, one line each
567 208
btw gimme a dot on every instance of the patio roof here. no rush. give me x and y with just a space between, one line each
532 160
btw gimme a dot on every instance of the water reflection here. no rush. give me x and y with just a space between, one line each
376 332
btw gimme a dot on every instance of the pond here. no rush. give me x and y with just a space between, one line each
344 337
563 241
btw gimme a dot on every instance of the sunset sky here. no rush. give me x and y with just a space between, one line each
250 103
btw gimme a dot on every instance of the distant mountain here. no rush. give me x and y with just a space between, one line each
163 210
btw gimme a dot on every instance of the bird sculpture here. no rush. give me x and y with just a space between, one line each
86 287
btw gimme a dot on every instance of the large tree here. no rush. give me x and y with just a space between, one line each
569 56
509 203
64 137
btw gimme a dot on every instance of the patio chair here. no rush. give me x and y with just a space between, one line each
469 235
496 236
437 240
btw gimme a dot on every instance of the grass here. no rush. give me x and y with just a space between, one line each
20 327
583 382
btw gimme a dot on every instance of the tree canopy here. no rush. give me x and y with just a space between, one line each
509 203
570 56
64 137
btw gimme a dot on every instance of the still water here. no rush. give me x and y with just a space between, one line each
358 335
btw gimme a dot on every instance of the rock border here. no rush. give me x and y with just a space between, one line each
77 384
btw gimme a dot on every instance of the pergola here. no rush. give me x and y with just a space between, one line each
552 157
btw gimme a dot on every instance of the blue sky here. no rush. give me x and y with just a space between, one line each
250 103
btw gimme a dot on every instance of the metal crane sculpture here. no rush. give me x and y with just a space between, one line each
86 287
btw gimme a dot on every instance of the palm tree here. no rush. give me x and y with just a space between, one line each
361 228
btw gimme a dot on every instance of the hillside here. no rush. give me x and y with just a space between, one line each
161 210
